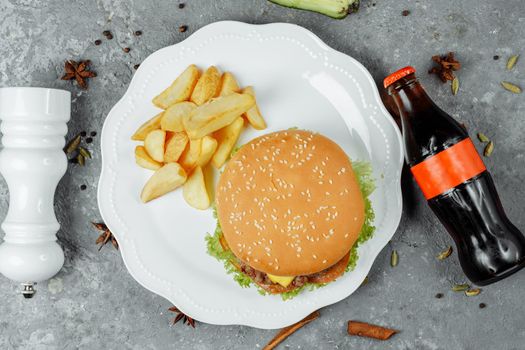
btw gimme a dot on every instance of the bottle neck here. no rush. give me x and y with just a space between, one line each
410 97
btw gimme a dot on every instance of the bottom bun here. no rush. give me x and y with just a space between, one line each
261 278
323 277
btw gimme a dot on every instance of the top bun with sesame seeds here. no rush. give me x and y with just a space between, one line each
289 203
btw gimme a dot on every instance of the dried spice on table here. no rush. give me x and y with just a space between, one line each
511 87
107 34
394 258
472 292
368 330
287 331
106 235
78 71
460 287
182 316
446 65
482 137
75 152
487 152
445 254
512 61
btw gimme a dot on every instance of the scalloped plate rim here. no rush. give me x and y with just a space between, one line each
127 246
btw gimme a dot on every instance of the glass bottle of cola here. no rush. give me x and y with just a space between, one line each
456 184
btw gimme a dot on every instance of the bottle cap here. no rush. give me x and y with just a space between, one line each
403 72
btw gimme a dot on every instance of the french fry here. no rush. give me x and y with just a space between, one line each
227 138
207 87
208 147
175 144
155 143
143 159
254 114
173 116
180 90
164 180
228 84
189 157
216 114
208 172
147 127
194 190
198 153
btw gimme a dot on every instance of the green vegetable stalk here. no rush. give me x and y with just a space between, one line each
332 8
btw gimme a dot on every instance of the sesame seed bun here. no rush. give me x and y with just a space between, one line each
289 203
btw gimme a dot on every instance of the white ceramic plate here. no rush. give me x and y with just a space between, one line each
300 82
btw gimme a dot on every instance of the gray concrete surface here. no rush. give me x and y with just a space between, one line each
95 304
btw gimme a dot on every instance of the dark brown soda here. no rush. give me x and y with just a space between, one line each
489 246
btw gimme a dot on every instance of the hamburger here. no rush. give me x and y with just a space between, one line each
291 209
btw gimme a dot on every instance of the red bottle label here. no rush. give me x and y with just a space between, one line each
448 169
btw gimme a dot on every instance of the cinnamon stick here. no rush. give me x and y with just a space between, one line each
287 331
363 329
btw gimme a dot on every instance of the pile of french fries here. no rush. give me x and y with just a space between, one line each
203 116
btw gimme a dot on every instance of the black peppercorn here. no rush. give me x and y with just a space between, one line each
98 42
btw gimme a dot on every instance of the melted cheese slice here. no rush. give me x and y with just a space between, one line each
282 280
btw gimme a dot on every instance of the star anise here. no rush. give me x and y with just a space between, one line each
446 65
182 316
78 71
105 237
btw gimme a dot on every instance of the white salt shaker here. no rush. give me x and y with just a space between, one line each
32 162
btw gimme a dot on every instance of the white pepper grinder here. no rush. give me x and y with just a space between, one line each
32 162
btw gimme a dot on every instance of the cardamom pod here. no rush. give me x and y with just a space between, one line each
472 292
488 149
455 86
394 258
445 254
512 61
482 137
460 287
72 145
511 87
81 160
84 152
